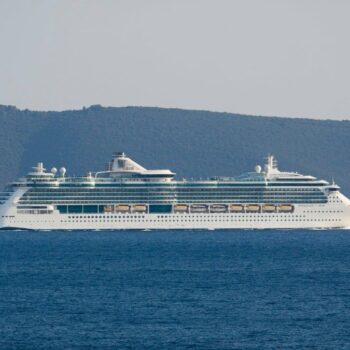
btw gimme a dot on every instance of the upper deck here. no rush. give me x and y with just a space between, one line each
125 181
123 171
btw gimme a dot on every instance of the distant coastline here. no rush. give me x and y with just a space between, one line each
196 143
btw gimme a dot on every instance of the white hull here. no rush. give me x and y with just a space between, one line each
303 217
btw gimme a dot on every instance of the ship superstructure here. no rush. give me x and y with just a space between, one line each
128 196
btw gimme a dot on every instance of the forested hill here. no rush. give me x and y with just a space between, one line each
191 143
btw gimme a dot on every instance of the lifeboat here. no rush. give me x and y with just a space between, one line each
285 208
237 208
199 208
252 208
181 208
122 208
139 208
108 209
268 208
218 208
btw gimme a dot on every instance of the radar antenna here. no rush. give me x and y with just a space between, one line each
271 164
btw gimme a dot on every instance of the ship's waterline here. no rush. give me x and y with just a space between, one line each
128 196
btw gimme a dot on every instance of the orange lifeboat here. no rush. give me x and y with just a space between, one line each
268 208
253 208
237 208
139 208
181 208
122 208
285 208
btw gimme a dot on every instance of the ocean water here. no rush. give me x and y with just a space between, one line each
175 290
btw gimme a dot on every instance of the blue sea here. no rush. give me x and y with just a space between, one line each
175 290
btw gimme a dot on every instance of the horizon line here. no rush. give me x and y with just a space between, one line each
97 106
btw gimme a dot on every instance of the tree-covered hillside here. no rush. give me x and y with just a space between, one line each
191 143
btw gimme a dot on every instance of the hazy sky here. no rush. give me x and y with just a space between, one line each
265 57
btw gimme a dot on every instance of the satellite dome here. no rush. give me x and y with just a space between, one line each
258 169
54 170
63 171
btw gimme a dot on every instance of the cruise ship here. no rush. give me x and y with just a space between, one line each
128 196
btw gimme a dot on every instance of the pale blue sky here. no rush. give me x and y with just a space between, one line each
264 57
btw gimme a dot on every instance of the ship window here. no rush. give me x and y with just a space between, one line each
62 209
75 208
90 209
